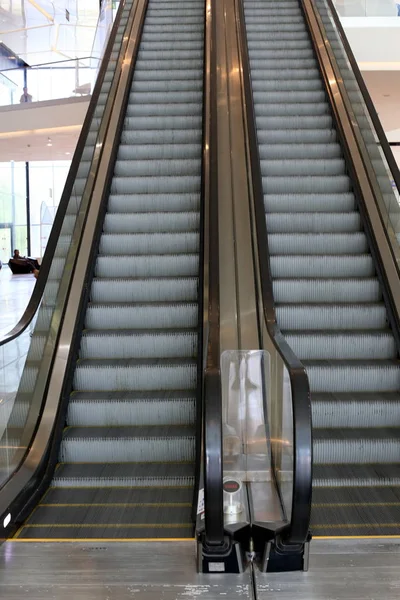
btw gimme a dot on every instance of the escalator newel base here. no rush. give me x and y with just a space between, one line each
227 558
279 557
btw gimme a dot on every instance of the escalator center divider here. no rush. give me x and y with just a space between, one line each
297 531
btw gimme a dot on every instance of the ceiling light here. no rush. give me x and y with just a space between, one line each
68 153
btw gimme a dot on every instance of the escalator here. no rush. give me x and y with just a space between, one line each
328 297
126 460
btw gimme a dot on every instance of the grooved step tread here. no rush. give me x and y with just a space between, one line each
367 433
145 531
129 432
121 497
132 396
108 515
136 362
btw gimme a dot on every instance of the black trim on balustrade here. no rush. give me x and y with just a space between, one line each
297 530
383 141
201 335
33 492
212 409
41 281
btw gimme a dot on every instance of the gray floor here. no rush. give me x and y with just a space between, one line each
347 569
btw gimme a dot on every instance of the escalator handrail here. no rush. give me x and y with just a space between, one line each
51 246
211 384
383 141
297 530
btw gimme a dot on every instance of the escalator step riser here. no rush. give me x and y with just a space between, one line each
127 450
145 316
138 345
146 168
357 451
348 377
359 346
322 266
355 414
263 64
298 136
176 109
158 151
178 122
310 243
174 97
114 413
283 85
138 203
149 243
312 202
282 123
144 290
160 136
361 316
304 75
128 377
151 222
296 168
309 222
150 185
310 291
333 184
178 265
299 151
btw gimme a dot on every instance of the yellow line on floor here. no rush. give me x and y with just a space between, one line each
114 525
354 537
102 540
344 504
120 504
354 525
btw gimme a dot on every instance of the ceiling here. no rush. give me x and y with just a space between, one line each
57 143
384 88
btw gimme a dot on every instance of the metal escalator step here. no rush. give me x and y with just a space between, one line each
145 531
109 515
316 243
178 265
313 222
353 376
283 123
265 64
139 203
356 446
135 374
165 167
312 202
149 243
341 345
353 476
284 43
156 185
147 444
132 408
159 151
161 136
151 315
313 291
319 184
139 343
299 151
165 84
295 167
151 222
328 266
124 475
331 316
121 496
301 136
165 289
356 410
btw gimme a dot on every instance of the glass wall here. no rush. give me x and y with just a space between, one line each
46 184
367 8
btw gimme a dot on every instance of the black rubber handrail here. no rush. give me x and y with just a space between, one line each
383 141
297 530
41 281
211 385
